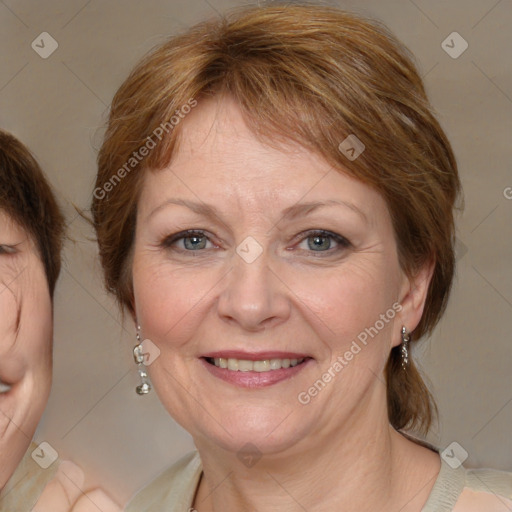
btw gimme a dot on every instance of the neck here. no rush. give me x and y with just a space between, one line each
367 466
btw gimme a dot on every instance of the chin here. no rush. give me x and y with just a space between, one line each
269 430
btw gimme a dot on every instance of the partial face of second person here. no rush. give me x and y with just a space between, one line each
307 294
25 343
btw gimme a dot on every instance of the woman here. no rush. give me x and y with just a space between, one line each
274 207
31 238
31 234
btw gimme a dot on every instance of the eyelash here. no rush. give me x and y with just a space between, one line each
7 249
168 242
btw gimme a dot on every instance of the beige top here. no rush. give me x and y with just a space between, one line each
23 489
472 490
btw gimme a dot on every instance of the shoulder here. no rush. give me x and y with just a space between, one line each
486 490
459 489
174 489
27 483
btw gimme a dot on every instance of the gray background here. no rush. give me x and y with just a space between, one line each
57 107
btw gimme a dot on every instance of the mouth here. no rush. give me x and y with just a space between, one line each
260 366
255 370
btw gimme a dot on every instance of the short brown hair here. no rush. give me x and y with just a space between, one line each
314 75
27 198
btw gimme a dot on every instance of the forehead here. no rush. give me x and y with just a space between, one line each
220 159
216 134
8 226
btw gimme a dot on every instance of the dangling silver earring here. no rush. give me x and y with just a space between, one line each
405 347
138 355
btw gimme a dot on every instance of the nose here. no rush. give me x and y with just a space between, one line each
254 296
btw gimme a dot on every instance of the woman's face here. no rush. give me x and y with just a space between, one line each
256 281
25 343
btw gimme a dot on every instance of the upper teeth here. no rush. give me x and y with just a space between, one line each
265 365
4 387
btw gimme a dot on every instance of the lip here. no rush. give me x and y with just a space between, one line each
255 356
256 379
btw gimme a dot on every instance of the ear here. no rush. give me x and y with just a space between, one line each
131 310
129 306
133 315
413 295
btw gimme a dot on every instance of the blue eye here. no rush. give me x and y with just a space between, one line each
322 240
319 241
196 240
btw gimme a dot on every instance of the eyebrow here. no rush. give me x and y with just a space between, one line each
296 210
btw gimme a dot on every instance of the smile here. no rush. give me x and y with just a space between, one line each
246 370
244 365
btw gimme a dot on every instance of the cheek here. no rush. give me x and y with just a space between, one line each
168 299
40 333
11 287
356 291
338 303
9 306
36 322
349 303
13 360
